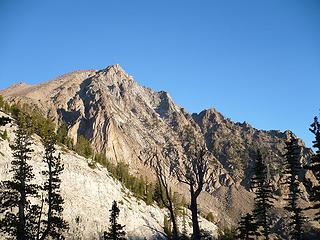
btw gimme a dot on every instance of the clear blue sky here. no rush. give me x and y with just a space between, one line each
257 61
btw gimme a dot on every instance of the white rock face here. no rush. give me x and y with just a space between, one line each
88 195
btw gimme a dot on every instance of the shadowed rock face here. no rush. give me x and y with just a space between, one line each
123 118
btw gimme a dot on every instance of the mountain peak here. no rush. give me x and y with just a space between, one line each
115 71
115 67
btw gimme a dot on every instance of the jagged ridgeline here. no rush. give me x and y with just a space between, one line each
122 119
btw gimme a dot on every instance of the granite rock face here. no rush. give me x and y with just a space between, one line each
123 119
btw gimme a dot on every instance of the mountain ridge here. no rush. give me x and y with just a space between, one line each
123 119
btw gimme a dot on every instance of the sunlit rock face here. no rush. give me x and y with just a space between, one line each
88 193
122 119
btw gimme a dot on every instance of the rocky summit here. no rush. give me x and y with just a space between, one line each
123 120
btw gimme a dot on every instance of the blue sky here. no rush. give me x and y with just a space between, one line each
254 61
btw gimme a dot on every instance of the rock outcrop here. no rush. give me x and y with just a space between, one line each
122 119
88 194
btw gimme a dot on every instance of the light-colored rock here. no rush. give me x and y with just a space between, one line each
89 193
123 119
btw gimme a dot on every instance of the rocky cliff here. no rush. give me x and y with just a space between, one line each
88 194
122 118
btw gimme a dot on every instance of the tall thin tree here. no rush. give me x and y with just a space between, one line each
247 227
314 166
19 215
53 225
263 195
292 170
115 231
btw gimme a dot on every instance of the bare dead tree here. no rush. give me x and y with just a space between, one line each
157 161
193 171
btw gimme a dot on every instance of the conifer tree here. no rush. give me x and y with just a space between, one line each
53 225
1 102
315 168
247 227
263 199
115 231
19 215
292 169
83 147
5 135
4 121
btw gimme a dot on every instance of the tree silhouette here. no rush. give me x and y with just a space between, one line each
314 166
19 215
247 227
115 231
194 172
292 169
158 162
263 199
53 225
4 121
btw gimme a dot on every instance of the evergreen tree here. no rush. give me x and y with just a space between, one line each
62 136
83 147
263 199
5 135
1 102
4 121
315 168
149 194
19 216
292 169
247 227
116 231
53 225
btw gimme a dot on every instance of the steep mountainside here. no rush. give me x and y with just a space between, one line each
88 194
123 119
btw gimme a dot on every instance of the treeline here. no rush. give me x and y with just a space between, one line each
38 123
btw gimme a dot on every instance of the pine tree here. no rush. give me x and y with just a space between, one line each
19 215
263 199
115 231
1 102
62 136
292 169
149 194
53 225
247 227
83 147
4 121
315 168
5 135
